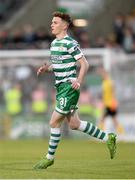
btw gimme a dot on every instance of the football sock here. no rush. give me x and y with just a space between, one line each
92 130
53 142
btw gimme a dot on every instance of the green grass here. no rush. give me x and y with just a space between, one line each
75 159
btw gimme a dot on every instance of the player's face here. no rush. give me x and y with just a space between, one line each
58 26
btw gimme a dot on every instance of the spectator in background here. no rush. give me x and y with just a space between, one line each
129 21
84 39
133 22
39 101
4 38
99 42
13 100
128 41
42 35
118 26
111 42
17 36
15 39
29 34
43 39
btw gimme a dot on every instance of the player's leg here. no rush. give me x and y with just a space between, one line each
89 128
86 127
113 114
55 135
119 128
115 121
101 124
61 109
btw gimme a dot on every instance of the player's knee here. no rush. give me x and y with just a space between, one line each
53 124
73 125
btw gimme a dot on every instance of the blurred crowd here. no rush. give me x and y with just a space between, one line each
20 88
25 38
124 31
122 37
21 92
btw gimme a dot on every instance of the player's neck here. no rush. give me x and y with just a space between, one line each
61 35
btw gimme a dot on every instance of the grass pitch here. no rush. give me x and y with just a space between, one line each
75 159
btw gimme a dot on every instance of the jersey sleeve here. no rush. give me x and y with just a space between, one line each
74 50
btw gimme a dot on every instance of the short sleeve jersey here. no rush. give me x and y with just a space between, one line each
64 55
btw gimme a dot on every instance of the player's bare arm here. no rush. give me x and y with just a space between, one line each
83 70
44 68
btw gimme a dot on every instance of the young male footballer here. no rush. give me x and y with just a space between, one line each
65 53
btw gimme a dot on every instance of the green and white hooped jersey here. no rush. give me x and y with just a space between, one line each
64 54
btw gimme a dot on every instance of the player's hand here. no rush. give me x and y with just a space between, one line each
75 84
42 69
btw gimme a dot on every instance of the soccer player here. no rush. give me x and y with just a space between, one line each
109 101
65 53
